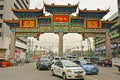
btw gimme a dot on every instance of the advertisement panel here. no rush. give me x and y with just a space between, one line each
28 24
93 24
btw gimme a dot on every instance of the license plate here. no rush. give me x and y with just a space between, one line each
79 75
93 70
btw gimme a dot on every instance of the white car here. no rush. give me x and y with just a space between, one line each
68 70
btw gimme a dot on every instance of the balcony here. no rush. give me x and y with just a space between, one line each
114 35
99 42
21 45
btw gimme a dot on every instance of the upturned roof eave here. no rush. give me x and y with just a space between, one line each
67 6
11 21
27 10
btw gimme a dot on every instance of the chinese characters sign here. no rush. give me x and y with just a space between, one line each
28 23
93 24
60 18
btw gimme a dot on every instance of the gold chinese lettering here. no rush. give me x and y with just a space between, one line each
29 24
92 24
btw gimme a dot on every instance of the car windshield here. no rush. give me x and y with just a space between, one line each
44 60
70 64
63 58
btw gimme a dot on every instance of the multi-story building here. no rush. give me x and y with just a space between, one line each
6 36
115 40
119 10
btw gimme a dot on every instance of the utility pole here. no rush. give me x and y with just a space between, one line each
89 47
108 52
118 51
12 46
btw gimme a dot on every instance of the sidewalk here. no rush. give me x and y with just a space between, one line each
115 61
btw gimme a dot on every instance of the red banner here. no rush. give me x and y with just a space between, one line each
60 18
93 24
28 23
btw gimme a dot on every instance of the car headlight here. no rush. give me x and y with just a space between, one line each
68 70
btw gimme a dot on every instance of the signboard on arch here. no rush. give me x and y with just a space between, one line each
60 18
93 24
28 24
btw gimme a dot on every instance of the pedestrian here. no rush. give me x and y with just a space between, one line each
11 62
21 61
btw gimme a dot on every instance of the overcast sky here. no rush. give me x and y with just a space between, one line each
72 39
89 4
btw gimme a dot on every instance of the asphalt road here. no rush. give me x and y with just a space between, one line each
29 72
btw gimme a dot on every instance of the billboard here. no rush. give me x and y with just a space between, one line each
93 24
28 24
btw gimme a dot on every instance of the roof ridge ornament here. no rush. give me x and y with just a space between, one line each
36 8
22 9
13 19
53 4
108 9
69 4
98 9
85 9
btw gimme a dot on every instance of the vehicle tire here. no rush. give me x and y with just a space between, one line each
52 72
39 68
96 73
64 76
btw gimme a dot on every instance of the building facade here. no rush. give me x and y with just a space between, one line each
6 36
119 10
115 40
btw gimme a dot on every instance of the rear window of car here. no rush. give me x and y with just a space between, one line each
70 64
44 60
63 58
85 62
57 59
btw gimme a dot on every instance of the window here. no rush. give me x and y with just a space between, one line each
0 34
1 7
1 16
56 63
60 65
0 25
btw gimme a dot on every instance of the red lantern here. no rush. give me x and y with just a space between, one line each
83 36
38 35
